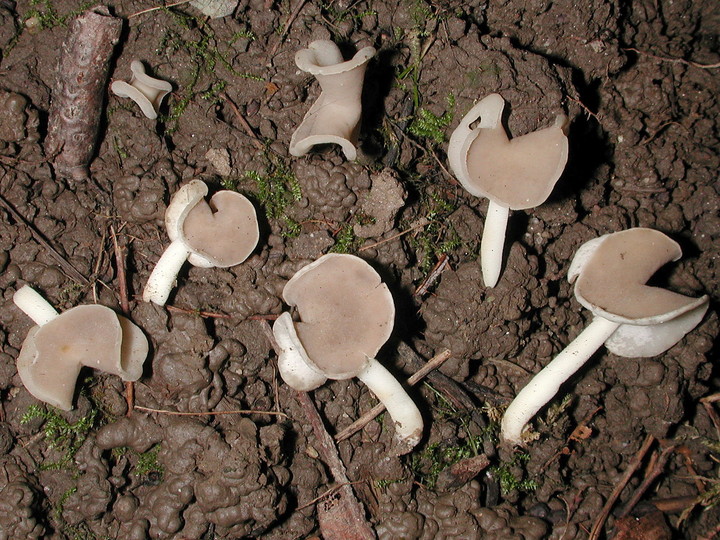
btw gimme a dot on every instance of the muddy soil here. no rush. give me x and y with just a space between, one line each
638 83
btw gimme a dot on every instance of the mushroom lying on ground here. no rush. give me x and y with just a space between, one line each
59 346
335 116
143 89
221 233
513 174
631 318
346 315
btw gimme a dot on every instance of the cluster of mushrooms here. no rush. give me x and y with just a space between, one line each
339 329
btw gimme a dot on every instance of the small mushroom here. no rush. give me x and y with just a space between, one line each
221 233
346 315
513 174
144 90
335 116
59 346
631 318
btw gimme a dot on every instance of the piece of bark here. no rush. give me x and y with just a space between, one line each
461 473
79 91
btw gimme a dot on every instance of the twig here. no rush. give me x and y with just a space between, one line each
286 29
327 493
199 313
421 223
208 413
70 270
269 317
125 308
432 277
244 123
707 402
649 479
508 363
366 418
159 7
673 60
632 467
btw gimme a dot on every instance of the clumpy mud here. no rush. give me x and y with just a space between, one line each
638 85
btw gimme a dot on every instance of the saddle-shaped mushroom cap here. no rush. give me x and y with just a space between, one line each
335 117
518 173
346 313
94 336
144 90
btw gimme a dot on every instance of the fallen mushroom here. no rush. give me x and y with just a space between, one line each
59 346
346 315
335 117
144 90
631 318
221 233
513 174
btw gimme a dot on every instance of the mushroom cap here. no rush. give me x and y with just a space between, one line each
95 336
144 90
516 173
224 230
346 313
610 275
323 57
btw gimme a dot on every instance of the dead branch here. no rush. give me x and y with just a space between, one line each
433 276
244 123
650 477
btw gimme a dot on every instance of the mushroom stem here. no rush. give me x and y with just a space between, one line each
493 241
163 276
292 364
405 414
34 305
546 383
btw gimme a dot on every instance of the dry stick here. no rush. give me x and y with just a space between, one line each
125 308
244 123
649 479
343 518
674 60
199 313
707 402
159 7
433 276
327 493
286 29
421 223
209 413
70 270
366 418
632 467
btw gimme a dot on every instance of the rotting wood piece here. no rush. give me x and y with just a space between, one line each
79 91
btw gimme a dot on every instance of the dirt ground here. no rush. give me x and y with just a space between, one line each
639 82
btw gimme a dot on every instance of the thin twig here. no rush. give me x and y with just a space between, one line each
433 276
329 492
366 418
674 60
199 313
40 239
707 402
286 29
243 122
421 223
632 467
167 6
508 363
657 468
208 413
125 308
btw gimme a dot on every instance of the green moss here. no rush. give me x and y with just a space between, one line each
509 481
147 463
346 241
438 237
429 126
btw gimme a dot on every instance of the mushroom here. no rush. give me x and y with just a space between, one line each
221 233
631 318
144 90
346 315
59 346
335 116
513 174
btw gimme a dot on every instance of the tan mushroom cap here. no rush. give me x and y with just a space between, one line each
612 281
346 313
518 173
223 230
95 336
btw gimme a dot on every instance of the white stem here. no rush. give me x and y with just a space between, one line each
34 305
292 359
405 414
493 241
546 384
163 276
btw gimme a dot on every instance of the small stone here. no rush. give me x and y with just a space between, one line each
219 158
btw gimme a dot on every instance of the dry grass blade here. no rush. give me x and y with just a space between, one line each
208 413
166 6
